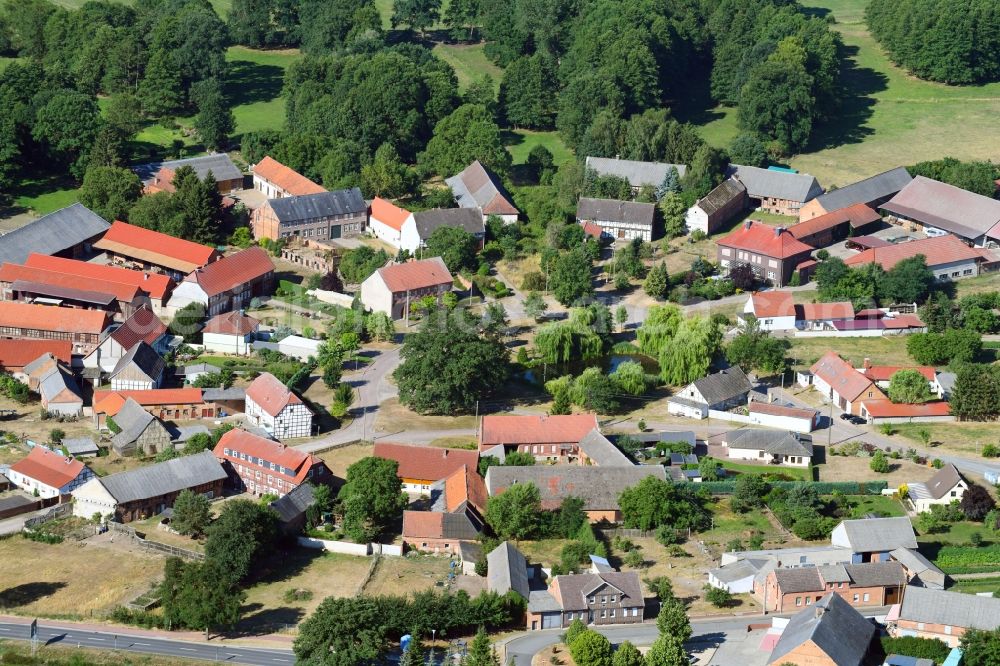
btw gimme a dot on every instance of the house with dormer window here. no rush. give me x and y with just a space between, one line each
265 467
594 598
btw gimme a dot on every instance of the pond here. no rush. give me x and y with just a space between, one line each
607 364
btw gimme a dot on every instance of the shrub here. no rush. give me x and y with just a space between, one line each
717 596
921 648
634 559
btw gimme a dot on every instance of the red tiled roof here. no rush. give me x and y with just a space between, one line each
286 178
48 467
418 274
937 251
781 410
592 229
231 323
236 269
772 304
857 215
499 205
15 272
109 402
823 311
242 441
884 373
844 379
155 247
426 463
142 326
389 214
46 318
271 395
426 524
19 353
154 284
528 429
763 239
465 485
903 321
888 409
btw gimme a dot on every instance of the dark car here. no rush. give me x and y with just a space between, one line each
846 417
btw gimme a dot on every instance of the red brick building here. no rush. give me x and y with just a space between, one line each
262 466
772 253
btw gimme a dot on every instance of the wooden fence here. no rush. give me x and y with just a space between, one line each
140 539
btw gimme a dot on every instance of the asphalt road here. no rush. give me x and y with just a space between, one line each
68 637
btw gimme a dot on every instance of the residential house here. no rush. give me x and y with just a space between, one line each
720 391
840 383
829 633
227 284
57 387
871 584
165 404
809 556
823 316
419 226
385 221
918 569
159 176
317 217
638 174
872 192
873 539
596 449
139 432
598 599
420 467
598 487
142 326
230 333
277 181
620 220
265 467
394 288
948 257
67 232
738 577
140 369
460 502
774 310
946 616
937 209
882 374
553 438
946 486
47 473
802 420
507 571
769 447
155 286
23 321
292 509
778 191
717 208
195 371
772 253
476 187
836 225
147 491
35 285
15 354
140 249
274 407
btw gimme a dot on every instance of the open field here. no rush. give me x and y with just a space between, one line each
150 527
519 143
415 573
795 473
877 504
843 468
956 437
976 585
469 62
54 654
393 418
338 460
253 86
882 351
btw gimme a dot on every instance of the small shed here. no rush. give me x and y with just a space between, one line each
80 447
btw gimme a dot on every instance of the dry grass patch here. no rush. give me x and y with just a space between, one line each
841 468
393 418
958 438
338 460
19 652
150 527
882 351
114 463
454 442
405 575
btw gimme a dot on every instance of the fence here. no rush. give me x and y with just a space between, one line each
625 533
350 548
140 539
58 511
821 487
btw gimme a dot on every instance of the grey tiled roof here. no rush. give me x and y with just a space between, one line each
778 184
879 534
294 503
469 219
598 487
540 601
865 191
604 454
220 165
306 207
799 579
636 173
164 478
143 357
770 441
914 561
57 381
612 210
724 385
738 570
841 632
133 421
79 446
876 574
52 233
943 481
573 589
507 570
950 608
723 193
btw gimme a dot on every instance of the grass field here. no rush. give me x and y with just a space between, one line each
976 585
520 142
54 654
469 62
791 472
254 84
962 438
882 351
877 504
44 195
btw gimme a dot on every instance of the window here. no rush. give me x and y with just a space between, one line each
604 598
604 613
614 598
770 275
591 600
226 450
967 271
612 612
809 601
867 597
798 601
856 597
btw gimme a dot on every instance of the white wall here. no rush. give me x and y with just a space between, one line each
383 231
740 586
186 293
409 238
227 344
345 547
696 219
693 412
375 295
793 423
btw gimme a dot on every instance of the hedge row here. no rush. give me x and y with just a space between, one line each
821 487
966 559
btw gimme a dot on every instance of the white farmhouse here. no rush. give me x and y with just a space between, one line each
774 310
946 486
418 227
386 221
48 473
272 406
230 333
724 390
769 447
393 289
623 220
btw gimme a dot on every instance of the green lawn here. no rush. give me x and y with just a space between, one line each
469 62
520 142
878 504
254 87
976 585
44 195
794 473
6 61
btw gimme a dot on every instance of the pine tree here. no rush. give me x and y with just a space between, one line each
657 282
481 651
671 183
160 89
214 122
414 655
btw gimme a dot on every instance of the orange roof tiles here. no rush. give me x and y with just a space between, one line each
241 441
426 463
46 318
823 311
48 467
887 409
229 272
155 247
389 214
842 377
271 395
857 215
936 251
286 178
773 304
763 239
109 402
463 486
19 353
423 524
156 285
142 326
231 323
15 272
884 373
529 429
418 274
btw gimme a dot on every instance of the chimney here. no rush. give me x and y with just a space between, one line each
444 453
868 363
145 276
747 224
778 230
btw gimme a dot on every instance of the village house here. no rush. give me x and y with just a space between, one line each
385 221
139 249
159 176
772 253
56 386
293 508
787 417
80 447
419 226
230 333
840 383
774 310
598 487
142 326
261 466
437 531
620 220
835 226
393 289
43 287
294 346
277 181
507 571
550 438
147 491
937 209
774 190
598 599
138 431
720 391
165 404
946 616
877 412
227 284
946 486
638 174
140 369
873 539
16 354
717 208
23 321
317 217
823 316
67 232
476 187
871 584
829 633
49 474
769 447
420 467
948 257
274 407
459 503
872 192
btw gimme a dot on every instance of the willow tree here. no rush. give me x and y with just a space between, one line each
630 378
661 324
584 335
688 354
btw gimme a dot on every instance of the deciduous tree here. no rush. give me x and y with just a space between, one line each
110 191
192 513
513 514
372 498
909 386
